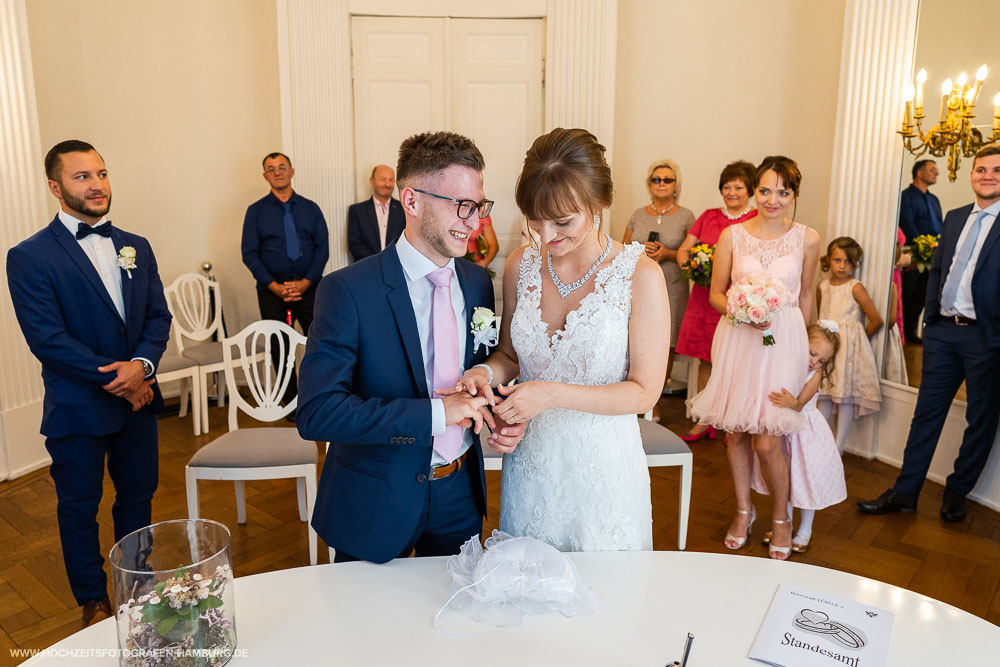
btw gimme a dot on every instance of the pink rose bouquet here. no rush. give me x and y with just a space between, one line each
754 300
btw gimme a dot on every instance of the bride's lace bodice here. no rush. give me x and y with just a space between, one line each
577 480
592 347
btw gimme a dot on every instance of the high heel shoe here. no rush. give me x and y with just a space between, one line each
774 551
740 542
708 434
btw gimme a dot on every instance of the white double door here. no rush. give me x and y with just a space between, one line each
479 77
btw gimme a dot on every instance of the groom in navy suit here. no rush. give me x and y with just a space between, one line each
404 471
961 342
90 304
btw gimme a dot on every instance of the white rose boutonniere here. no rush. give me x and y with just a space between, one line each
484 330
126 259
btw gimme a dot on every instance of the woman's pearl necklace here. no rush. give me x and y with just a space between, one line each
739 215
659 213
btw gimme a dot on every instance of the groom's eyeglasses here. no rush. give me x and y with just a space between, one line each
466 207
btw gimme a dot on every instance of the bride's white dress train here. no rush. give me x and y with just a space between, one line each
578 481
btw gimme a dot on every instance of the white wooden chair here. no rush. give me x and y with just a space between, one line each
196 304
259 453
663 448
175 367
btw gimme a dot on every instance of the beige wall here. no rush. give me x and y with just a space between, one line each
181 99
944 56
710 82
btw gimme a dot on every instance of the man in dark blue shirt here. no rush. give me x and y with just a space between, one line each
919 213
285 245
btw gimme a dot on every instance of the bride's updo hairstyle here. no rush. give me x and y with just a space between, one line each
564 172
786 169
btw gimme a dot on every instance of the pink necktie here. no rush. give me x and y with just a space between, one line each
444 334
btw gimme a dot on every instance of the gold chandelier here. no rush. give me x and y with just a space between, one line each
954 134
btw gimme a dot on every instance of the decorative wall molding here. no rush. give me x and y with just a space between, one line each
581 41
877 59
314 55
314 52
23 211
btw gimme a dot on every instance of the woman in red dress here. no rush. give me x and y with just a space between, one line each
736 183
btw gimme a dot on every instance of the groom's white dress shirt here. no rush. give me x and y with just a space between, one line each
100 250
416 267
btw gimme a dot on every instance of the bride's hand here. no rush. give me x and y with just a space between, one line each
523 401
474 382
505 437
761 326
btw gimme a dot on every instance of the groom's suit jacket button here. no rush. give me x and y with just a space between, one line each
421 477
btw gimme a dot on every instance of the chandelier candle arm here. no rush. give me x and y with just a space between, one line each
980 77
945 94
921 80
996 114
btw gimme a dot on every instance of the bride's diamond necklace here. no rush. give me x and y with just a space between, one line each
566 290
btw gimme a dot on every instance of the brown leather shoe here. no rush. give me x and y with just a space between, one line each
96 611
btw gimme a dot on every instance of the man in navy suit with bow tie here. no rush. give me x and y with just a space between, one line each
90 304
404 471
961 343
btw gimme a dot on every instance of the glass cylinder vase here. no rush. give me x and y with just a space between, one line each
173 587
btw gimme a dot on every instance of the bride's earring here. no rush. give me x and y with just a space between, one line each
597 221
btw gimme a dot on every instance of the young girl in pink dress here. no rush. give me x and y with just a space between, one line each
815 471
744 370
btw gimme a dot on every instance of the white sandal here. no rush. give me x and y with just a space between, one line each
773 551
740 542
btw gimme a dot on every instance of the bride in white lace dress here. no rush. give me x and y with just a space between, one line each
585 328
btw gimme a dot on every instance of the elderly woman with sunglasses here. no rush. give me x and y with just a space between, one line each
663 225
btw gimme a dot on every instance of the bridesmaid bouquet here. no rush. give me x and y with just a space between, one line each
754 299
698 268
923 248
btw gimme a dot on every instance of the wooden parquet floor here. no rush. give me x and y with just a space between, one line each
958 564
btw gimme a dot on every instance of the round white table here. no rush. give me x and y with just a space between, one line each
364 614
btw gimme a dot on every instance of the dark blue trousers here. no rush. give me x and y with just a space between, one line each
78 472
449 518
952 353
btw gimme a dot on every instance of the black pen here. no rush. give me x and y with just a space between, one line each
687 652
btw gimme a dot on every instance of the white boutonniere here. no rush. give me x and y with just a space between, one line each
126 259
484 330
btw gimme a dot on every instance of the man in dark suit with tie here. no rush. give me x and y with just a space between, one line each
404 471
286 245
919 213
376 223
961 343
90 304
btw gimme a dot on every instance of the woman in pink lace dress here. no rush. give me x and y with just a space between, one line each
736 184
745 371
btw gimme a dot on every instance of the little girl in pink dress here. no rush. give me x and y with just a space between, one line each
815 470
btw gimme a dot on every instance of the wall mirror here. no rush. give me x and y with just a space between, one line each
943 54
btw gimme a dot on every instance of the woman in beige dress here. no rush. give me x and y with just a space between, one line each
663 225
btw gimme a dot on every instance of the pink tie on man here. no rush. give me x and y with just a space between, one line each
444 335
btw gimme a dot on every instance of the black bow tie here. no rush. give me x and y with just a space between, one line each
85 230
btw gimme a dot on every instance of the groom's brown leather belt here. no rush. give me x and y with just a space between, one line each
440 472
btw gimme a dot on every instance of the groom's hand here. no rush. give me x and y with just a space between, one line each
129 378
463 410
505 437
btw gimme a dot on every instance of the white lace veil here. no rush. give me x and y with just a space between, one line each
514 576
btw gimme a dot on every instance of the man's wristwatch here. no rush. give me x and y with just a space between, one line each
147 368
